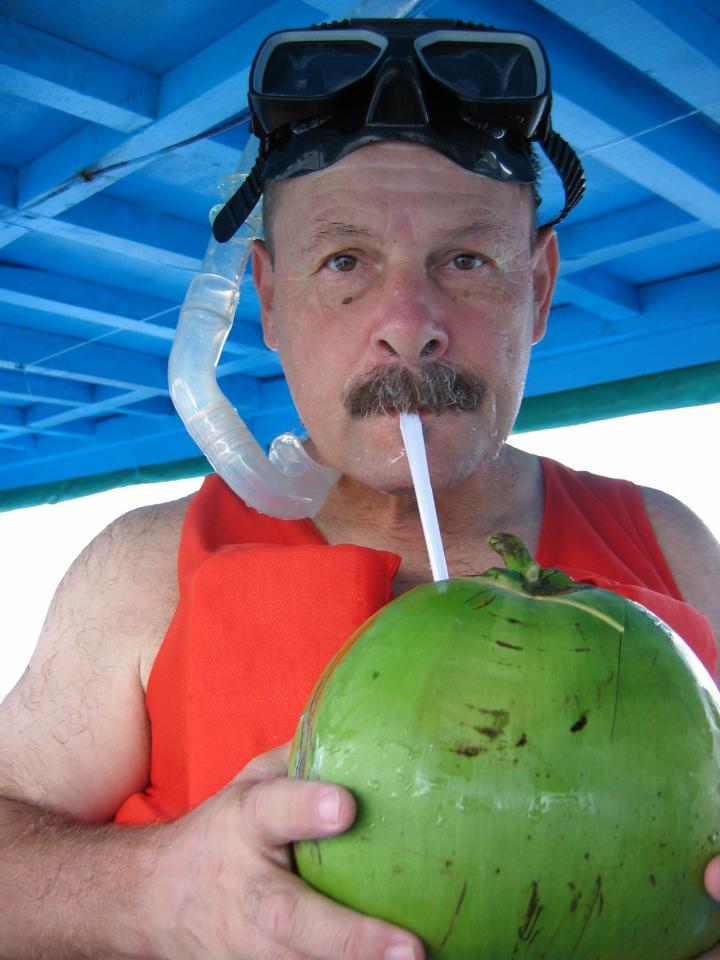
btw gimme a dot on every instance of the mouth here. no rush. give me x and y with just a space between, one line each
427 415
423 412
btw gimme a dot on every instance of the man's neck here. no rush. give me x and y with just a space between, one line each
502 494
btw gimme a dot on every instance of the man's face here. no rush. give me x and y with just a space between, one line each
395 256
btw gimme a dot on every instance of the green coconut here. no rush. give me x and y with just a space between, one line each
536 768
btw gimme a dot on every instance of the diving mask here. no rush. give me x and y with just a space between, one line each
480 96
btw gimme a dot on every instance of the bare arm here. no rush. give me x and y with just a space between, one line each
691 551
69 890
693 555
74 743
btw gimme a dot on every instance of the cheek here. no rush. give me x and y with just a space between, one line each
337 294
316 370
325 294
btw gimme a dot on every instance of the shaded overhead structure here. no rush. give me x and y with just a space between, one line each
120 120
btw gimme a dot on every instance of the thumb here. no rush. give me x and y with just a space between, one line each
266 766
712 878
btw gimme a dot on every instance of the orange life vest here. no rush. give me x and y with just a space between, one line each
265 604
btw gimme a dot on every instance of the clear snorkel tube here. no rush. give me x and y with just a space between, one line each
288 484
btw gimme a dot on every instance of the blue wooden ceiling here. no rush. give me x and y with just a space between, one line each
106 181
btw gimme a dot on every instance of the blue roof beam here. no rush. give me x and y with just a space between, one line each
154 408
8 187
119 429
677 46
669 160
49 420
600 293
94 309
39 418
160 447
127 319
619 234
64 76
54 355
95 411
138 233
48 445
21 444
108 403
8 198
17 423
21 386
206 90
580 349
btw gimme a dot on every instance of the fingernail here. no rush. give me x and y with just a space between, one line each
329 807
400 951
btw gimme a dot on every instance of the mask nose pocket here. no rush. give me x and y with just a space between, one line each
397 98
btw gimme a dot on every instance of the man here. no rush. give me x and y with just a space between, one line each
392 258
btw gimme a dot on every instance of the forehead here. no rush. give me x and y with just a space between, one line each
394 186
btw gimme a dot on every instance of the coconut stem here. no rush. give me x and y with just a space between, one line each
515 555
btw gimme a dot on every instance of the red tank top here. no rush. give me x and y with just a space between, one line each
265 604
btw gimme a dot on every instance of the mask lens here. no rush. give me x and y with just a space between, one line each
315 66
480 69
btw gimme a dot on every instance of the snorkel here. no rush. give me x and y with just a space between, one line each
288 484
478 95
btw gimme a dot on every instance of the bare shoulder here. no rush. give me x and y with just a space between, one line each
129 574
74 731
690 549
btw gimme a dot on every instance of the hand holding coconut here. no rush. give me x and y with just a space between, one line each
712 885
223 884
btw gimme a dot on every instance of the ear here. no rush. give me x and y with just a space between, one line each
545 266
264 278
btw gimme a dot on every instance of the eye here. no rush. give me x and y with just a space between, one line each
467 261
342 262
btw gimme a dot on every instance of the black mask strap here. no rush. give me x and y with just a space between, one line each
239 207
567 163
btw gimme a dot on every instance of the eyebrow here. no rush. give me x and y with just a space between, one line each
338 230
496 229
335 230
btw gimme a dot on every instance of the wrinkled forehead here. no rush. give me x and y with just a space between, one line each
392 180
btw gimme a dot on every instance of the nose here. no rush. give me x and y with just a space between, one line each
410 326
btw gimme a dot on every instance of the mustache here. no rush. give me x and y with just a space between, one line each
437 386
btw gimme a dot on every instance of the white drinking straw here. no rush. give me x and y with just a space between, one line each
412 434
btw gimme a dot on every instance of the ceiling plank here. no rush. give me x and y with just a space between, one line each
634 229
580 349
599 292
19 385
199 94
19 469
55 355
64 76
671 43
16 423
156 408
126 229
8 188
100 311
